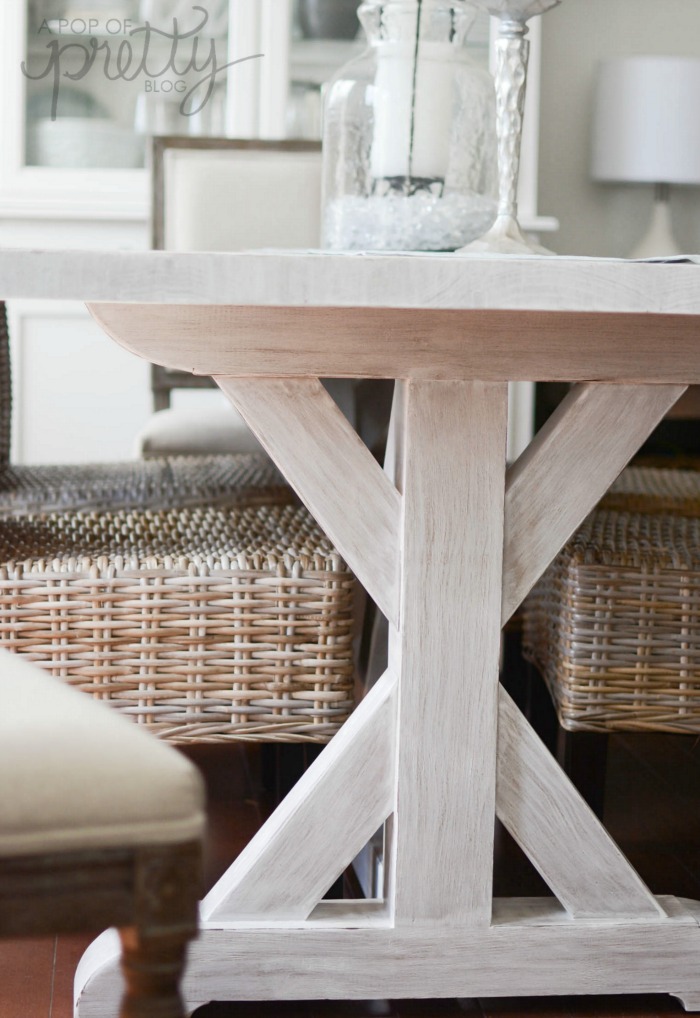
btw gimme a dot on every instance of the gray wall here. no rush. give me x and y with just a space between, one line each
604 219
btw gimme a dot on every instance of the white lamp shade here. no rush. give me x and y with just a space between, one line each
646 121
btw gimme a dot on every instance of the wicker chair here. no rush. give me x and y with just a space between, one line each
614 623
194 594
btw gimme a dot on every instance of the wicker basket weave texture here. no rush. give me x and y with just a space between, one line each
156 484
614 624
229 623
655 490
203 625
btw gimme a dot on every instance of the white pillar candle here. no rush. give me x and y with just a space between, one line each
413 107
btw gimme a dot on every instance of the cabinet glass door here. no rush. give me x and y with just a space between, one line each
102 75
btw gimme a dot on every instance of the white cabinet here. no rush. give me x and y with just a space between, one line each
77 398
80 181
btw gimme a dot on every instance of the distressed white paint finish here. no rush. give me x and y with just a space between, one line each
340 913
558 831
542 953
393 456
333 472
443 319
689 996
329 279
567 468
564 958
447 650
332 811
690 1000
375 342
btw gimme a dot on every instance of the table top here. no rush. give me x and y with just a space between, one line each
324 279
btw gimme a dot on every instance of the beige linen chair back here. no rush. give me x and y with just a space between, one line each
223 194
220 194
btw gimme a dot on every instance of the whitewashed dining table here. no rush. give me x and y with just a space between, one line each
448 540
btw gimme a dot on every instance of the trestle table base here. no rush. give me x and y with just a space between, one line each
448 542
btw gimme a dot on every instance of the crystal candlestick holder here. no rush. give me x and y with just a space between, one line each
512 51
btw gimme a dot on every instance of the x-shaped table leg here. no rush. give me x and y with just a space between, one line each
447 543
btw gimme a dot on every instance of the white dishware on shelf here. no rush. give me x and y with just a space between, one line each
82 142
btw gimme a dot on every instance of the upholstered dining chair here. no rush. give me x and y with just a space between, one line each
195 595
100 825
224 194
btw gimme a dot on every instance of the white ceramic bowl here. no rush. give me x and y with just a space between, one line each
81 142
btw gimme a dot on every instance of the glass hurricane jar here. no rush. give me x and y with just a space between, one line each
409 136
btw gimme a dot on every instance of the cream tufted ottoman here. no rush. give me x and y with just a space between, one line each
100 825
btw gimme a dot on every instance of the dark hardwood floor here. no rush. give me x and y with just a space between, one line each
652 799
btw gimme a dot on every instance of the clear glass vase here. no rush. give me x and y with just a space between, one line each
409 134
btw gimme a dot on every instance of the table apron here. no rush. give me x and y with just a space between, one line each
484 345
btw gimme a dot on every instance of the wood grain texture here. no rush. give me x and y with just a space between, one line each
332 471
559 832
567 468
545 955
690 1000
323 278
690 995
318 829
369 342
435 320
454 472
343 913
522 960
394 452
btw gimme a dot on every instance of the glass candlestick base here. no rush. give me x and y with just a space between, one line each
512 51
505 237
